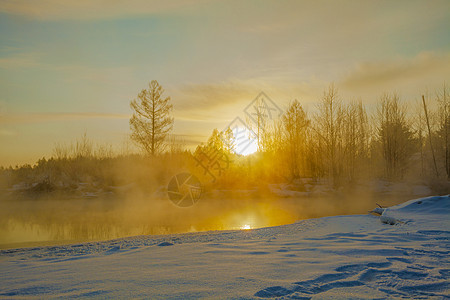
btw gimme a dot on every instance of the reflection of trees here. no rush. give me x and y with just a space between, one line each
90 219
87 230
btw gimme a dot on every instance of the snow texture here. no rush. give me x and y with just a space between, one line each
341 257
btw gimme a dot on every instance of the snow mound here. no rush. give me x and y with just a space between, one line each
410 210
341 257
429 205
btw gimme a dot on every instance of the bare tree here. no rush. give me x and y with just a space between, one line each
394 135
176 144
355 135
295 124
419 127
271 139
444 126
84 147
430 139
259 122
151 121
328 128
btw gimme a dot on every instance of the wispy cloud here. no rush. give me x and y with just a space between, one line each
19 61
120 75
190 140
229 98
201 97
7 133
425 70
25 118
376 73
90 10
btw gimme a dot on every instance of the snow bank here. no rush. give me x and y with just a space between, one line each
413 209
341 257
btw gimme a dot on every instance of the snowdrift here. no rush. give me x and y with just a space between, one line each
404 253
412 209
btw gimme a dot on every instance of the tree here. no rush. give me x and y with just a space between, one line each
151 121
220 141
261 121
295 123
271 140
355 136
419 127
444 127
328 129
228 139
394 136
215 140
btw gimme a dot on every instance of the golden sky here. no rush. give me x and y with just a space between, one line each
69 67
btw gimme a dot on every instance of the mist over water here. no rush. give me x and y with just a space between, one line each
337 160
45 221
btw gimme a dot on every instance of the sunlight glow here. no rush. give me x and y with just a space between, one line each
245 141
246 227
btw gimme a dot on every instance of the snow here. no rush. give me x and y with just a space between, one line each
340 257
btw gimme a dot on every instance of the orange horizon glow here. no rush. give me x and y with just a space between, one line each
72 68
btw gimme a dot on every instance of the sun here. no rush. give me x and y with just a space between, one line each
245 141
246 227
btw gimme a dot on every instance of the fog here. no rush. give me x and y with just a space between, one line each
47 221
337 160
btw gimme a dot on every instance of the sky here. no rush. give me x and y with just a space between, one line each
72 67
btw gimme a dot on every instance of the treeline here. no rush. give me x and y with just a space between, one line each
343 142
83 166
340 143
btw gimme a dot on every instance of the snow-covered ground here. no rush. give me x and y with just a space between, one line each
341 257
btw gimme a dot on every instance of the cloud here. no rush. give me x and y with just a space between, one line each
19 61
27 118
190 140
205 97
221 102
199 108
53 10
116 76
2 108
227 99
5 132
379 73
406 75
